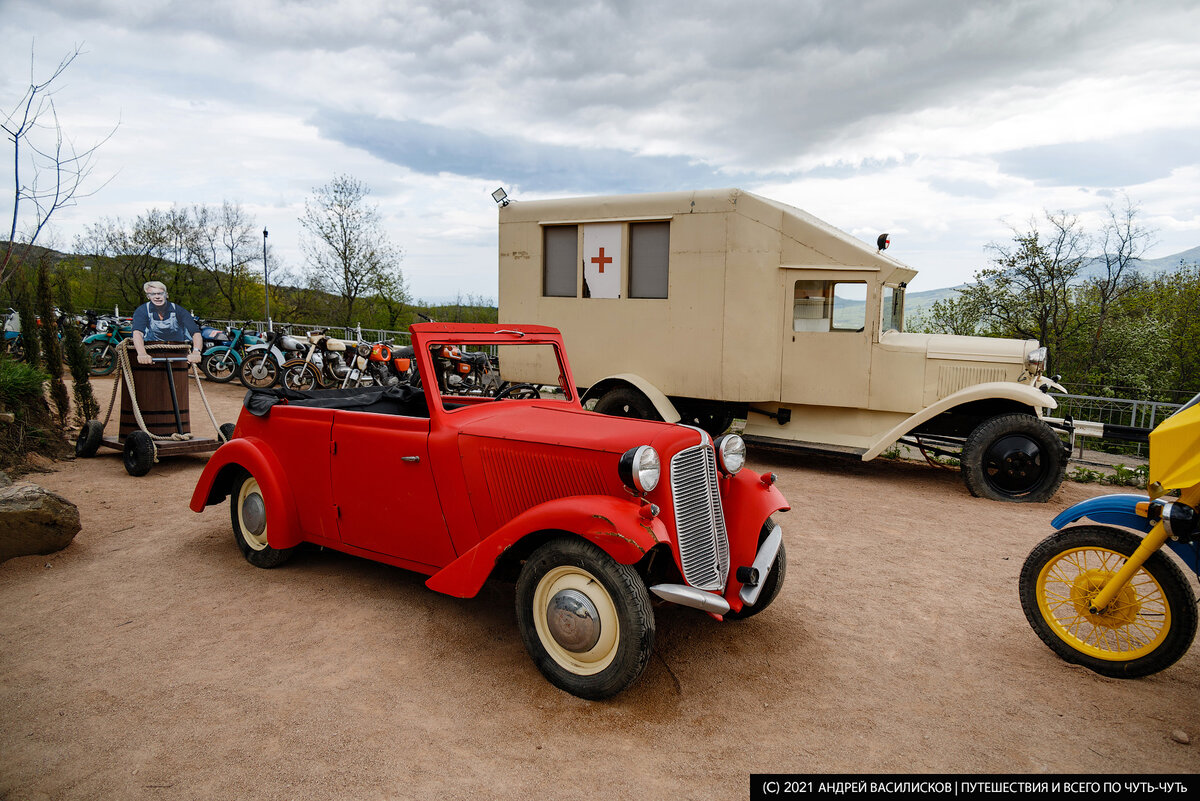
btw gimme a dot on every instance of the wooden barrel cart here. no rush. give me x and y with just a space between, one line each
155 416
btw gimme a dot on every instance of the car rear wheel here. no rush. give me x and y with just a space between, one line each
585 619
248 513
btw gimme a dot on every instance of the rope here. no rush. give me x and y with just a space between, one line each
126 375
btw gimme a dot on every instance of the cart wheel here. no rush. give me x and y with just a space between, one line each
89 439
139 453
226 430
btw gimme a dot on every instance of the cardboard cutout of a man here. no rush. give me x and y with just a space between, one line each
159 320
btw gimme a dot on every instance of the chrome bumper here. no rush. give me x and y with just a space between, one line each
685 595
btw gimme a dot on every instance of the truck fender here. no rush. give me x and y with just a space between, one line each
662 404
614 524
992 390
250 454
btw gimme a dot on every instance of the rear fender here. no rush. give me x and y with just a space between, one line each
614 524
251 455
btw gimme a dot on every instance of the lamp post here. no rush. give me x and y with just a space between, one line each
266 283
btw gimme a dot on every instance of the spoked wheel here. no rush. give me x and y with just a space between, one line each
1147 627
102 358
1013 457
248 513
585 619
259 371
220 366
300 375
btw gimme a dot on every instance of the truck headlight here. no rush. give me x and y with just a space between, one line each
1035 362
640 468
731 453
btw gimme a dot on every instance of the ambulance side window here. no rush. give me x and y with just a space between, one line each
649 251
829 306
560 261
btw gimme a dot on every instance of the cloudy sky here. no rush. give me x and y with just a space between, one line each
939 121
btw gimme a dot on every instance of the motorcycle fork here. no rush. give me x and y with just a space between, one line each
1150 543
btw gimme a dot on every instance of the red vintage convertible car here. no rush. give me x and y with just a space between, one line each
591 515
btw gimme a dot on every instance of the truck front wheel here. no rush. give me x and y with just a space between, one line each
626 402
1013 457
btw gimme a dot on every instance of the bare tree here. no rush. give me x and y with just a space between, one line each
54 169
344 241
1123 241
224 248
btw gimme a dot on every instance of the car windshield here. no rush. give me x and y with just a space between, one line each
521 371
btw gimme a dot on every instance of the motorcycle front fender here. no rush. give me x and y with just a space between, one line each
276 352
237 358
1120 510
100 338
1113 510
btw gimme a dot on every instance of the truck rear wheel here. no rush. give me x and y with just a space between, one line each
1013 457
626 402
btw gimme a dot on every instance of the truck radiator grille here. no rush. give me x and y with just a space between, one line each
699 520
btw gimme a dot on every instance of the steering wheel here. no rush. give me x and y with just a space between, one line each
519 392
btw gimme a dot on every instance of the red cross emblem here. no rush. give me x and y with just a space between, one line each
602 260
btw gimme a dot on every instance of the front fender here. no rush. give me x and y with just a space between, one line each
252 455
1113 510
662 404
614 524
747 499
237 357
1003 390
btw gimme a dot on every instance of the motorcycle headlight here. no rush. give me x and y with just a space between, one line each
1035 362
640 468
363 349
731 454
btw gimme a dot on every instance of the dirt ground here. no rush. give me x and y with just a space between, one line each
149 660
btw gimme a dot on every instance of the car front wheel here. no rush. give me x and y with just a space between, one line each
585 619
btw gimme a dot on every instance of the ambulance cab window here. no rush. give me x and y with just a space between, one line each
829 306
892 318
560 261
649 248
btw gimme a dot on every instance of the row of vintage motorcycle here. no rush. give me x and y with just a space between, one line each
313 361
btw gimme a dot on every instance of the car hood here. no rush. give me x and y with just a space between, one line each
571 427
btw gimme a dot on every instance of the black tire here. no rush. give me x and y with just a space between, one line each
226 430
626 402
1149 625
299 375
139 453
771 585
16 348
597 637
1013 457
89 438
102 358
248 514
220 366
251 363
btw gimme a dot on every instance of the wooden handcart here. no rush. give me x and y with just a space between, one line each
155 410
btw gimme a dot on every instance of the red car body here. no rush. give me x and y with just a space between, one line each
465 488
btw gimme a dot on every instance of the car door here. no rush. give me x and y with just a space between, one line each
384 489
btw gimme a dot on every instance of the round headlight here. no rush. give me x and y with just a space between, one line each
1035 362
731 453
640 468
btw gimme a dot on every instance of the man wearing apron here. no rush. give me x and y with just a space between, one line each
163 321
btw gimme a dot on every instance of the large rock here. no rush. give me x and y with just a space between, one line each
34 520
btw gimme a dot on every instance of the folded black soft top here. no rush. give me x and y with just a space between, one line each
399 399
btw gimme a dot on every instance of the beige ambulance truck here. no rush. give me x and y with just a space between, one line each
710 306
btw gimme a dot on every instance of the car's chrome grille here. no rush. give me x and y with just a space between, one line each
699 520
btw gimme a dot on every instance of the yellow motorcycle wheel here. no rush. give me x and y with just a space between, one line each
1147 627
